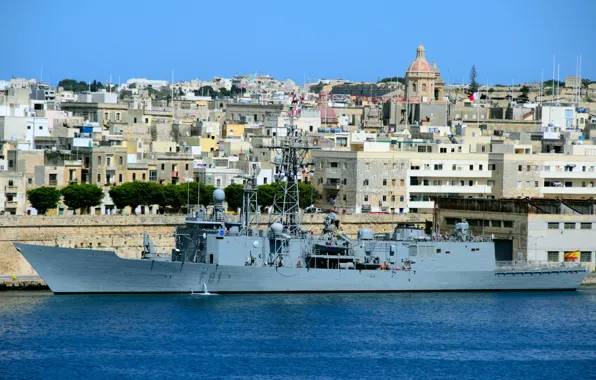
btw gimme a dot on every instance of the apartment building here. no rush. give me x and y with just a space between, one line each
102 113
218 171
13 193
408 181
171 167
104 166
57 175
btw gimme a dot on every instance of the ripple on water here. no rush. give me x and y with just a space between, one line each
446 335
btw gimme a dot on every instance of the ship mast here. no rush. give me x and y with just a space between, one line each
250 207
291 151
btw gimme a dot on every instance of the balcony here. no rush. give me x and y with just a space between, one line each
174 174
11 204
421 204
53 182
11 189
476 189
331 186
450 173
568 175
591 191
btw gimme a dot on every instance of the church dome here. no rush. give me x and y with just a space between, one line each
420 64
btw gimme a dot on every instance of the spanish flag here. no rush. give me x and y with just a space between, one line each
571 255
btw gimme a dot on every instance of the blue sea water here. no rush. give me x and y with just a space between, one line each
282 336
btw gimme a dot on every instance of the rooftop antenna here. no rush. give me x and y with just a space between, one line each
553 84
574 100
541 84
558 81
552 90
580 79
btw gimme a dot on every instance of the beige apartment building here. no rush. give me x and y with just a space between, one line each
408 181
70 171
13 193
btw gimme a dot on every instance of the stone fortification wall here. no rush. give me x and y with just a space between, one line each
124 233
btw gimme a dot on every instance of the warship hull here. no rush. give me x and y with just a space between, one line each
71 271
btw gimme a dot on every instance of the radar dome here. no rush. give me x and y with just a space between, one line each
219 195
365 234
277 228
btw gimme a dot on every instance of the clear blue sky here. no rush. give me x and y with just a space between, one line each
357 40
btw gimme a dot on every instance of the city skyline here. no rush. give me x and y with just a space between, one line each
309 41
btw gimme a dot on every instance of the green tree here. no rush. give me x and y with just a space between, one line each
82 196
550 83
473 87
308 194
234 196
237 90
525 91
137 193
189 190
207 194
393 79
95 85
132 85
73 85
266 193
175 196
205 91
43 198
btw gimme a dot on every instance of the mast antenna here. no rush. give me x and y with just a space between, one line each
291 152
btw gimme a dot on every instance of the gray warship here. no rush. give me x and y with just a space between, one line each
218 255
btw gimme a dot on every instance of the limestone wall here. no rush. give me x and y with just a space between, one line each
124 233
